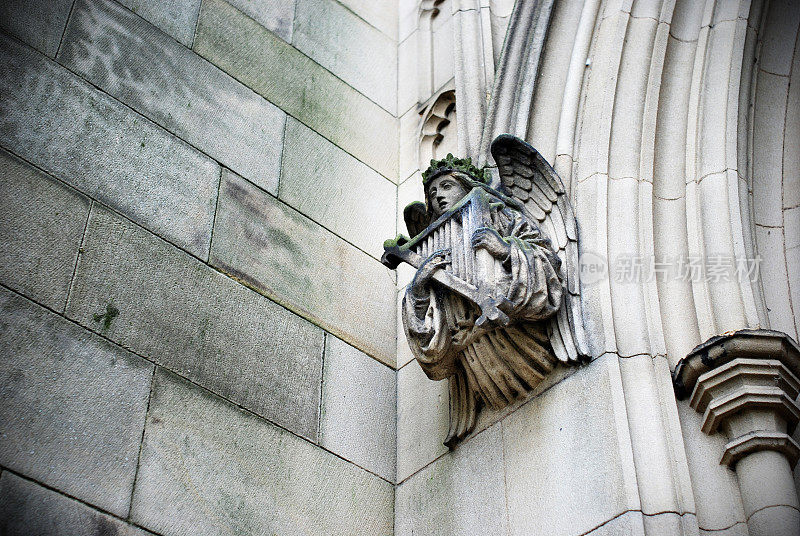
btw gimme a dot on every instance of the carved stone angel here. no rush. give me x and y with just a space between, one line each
494 302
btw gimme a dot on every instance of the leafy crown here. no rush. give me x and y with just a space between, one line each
451 163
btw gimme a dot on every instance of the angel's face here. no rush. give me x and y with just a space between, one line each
444 192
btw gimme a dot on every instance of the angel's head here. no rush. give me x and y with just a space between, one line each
447 181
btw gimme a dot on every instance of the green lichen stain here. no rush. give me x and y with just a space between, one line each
107 317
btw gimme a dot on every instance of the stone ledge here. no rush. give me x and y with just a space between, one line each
757 441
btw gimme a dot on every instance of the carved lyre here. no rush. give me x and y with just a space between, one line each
471 273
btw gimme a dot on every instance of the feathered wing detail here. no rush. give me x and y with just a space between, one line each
416 217
527 176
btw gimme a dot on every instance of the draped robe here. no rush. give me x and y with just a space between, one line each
497 365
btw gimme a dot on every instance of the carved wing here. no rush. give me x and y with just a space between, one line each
416 217
528 177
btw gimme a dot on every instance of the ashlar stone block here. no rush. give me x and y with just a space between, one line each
60 123
294 261
136 63
336 190
460 494
40 232
298 85
377 14
193 320
209 468
422 419
407 73
27 508
343 43
72 405
791 157
177 18
568 463
768 131
40 23
357 419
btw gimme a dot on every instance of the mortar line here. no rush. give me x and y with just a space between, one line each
141 442
78 256
196 26
214 219
321 387
505 476
64 32
282 155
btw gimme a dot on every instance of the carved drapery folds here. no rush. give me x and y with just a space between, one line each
745 384
494 304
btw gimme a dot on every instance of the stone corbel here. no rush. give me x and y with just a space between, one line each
745 384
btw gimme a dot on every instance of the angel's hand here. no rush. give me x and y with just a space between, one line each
426 270
491 241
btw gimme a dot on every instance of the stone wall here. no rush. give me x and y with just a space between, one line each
197 334
200 338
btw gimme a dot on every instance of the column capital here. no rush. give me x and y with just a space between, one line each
722 349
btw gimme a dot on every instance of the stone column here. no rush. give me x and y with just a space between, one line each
745 384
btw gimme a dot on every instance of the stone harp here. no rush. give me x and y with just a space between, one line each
471 273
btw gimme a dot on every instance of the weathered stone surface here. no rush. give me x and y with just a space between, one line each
774 278
376 14
336 190
461 494
422 419
568 468
189 318
710 479
210 468
443 45
72 405
40 232
357 419
778 45
768 126
334 37
60 123
29 509
40 23
407 74
177 18
274 15
298 85
404 354
407 18
130 59
408 153
293 260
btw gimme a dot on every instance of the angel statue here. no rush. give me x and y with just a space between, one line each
494 303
